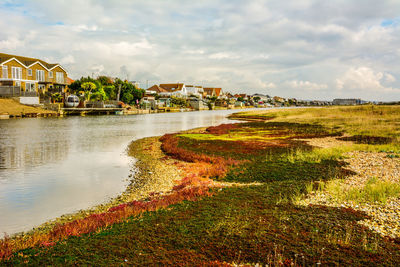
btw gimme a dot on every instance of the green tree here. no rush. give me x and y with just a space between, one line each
110 91
88 87
105 80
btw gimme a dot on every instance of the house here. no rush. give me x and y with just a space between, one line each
212 91
195 90
31 74
155 89
261 97
347 102
175 89
243 96
168 90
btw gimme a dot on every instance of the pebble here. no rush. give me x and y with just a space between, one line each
384 218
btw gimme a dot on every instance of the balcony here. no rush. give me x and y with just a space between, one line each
15 91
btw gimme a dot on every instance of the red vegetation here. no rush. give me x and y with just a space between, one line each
206 166
190 188
223 128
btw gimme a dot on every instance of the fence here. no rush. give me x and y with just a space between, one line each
14 91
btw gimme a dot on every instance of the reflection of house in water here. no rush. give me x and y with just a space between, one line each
18 151
20 155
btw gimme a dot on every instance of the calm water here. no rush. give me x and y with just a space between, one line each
54 166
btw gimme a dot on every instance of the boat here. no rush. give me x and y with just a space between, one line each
72 101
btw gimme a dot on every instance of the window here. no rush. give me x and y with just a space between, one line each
30 87
29 72
59 77
5 72
16 73
18 83
40 75
50 74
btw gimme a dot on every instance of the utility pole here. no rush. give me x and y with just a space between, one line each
119 91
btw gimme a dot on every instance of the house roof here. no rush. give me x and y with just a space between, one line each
208 91
157 89
172 87
69 80
211 90
27 61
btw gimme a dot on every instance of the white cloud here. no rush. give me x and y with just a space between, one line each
389 78
67 60
292 48
223 55
306 85
364 79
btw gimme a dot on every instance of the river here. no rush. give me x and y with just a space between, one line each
53 166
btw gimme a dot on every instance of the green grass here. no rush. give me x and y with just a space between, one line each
242 225
247 224
374 191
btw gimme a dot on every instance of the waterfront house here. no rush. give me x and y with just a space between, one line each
175 89
168 90
212 91
32 74
155 89
197 91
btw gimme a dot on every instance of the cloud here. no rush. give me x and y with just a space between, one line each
67 60
306 85
305 49
364 78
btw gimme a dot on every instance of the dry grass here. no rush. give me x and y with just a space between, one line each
369 120
12 107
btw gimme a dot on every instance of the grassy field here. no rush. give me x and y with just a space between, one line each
12 107
358 121
238 200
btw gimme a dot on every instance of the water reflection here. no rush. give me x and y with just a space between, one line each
52 166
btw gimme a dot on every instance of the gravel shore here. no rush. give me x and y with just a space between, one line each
384 218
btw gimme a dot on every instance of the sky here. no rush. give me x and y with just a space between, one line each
304 49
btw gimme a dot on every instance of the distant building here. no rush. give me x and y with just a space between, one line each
212 91
347 102
194 90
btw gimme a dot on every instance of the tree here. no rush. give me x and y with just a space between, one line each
88 87
129 93
180 102
110 91
241 99
105 80
257 98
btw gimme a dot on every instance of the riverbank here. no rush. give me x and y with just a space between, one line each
10 108
260 222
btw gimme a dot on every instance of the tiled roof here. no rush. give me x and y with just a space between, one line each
172 87
27 61
210 90
157 89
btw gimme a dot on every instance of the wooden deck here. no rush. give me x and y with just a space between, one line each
93 111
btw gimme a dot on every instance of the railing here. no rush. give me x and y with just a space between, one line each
15 91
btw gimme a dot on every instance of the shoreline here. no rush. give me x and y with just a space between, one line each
151 173
15 110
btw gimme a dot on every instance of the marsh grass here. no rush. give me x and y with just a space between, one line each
368 120
374 191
